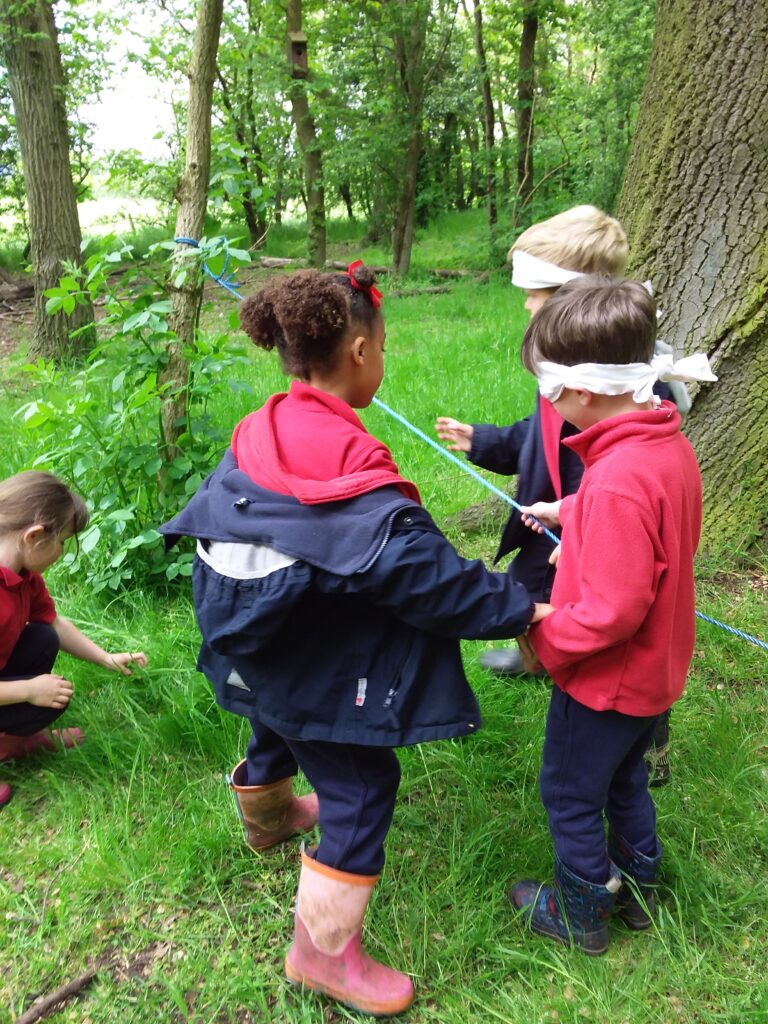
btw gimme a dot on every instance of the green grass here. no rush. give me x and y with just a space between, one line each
130 845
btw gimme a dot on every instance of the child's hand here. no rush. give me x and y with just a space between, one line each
49 691
554 558
541 611
120 662
459 434
547 512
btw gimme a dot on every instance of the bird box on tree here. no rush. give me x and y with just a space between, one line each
297 54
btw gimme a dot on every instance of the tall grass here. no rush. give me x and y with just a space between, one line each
131 844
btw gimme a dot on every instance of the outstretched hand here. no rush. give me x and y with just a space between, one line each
459 435
120 662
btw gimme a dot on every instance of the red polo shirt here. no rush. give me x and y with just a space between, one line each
23 598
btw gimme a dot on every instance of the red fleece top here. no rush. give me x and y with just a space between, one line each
313 446
24 598
623 634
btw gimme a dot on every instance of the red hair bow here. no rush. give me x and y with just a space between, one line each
373 292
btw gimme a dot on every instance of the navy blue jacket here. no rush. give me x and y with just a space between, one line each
519 449
352 635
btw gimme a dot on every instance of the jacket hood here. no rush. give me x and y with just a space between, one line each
312 446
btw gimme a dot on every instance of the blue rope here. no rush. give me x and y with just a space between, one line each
226 282
224 279
462 465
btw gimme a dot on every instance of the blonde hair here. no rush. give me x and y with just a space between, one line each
40 499
583 239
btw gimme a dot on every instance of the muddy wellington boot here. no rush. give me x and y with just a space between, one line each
14 748
572 911
326 955
271 813
636 902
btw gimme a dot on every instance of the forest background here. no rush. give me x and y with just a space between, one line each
422 137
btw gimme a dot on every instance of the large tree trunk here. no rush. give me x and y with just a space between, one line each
488 116
694 206
191 193
313 156
32 57
525 96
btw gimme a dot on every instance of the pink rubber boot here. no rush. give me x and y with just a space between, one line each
16 747
5 793
326 954
272 813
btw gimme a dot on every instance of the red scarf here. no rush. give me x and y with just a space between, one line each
313 446
551 432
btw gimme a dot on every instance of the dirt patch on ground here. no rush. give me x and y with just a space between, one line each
16 320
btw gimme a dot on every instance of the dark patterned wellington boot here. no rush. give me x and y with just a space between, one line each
572 911
657 755
636 902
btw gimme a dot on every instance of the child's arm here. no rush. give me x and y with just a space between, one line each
74 642
421 578
493 448
45 691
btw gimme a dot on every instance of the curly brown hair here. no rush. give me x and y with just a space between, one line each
305 316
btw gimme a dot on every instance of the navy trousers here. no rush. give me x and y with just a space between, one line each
356 788
592 765
34 655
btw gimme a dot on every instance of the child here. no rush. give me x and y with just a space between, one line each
330 607
38 514
620 641
582 240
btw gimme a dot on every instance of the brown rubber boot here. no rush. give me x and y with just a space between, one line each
271 813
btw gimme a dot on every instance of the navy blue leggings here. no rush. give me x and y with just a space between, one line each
34 655
592 765
356 788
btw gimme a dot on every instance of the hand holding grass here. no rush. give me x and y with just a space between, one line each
458 434
120 662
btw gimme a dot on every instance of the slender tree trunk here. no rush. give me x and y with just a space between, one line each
346 194
525 96
694 206
313 157
31 51
506 180
473 145
402 232
191 193
409 38
488 116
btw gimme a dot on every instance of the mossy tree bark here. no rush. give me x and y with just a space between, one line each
31 52
694 206
526 71
191 192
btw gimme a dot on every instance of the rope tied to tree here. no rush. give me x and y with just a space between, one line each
226 282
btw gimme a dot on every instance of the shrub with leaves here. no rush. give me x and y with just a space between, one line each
100 429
